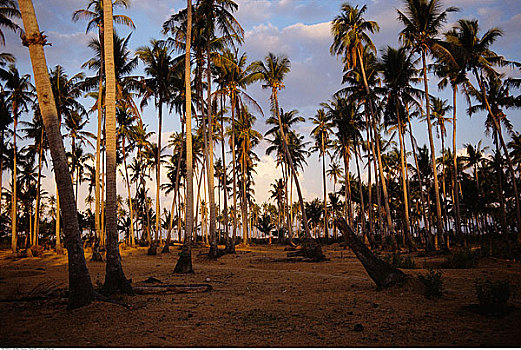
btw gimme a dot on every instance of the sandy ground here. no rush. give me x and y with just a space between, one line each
255 302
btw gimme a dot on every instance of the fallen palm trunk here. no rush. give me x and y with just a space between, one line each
173 289
382 273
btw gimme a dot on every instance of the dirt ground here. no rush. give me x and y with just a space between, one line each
255 302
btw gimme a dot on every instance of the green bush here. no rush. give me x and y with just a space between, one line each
433 284
397 260
461 259
492 295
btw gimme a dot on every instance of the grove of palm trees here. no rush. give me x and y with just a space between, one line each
251 173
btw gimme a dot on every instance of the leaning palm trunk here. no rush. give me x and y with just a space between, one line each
439 221
184 264
115 280
81 291
291 165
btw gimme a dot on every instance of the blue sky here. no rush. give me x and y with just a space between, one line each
297 28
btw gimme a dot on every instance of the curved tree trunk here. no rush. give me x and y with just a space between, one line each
81 291
115 280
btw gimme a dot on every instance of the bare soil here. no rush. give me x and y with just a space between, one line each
257 301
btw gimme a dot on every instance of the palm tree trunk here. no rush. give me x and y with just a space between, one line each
455 181
81 291
14 214
58 247
326 235
184 264
360 189
97 205
380 168
37 208
347 189
115 279
292 166
158 175
231 248
369 178
404 176
210 168
439 221
244 199
130 207
225 180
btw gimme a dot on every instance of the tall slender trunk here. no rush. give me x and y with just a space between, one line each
115 279
130 206
404 176
184 264
439 221
36 227
158 174
455 181
377 141
291 165
81 291
326 234
210 168
360 189
59 248
14 199
244 200
369 178
97 196
347 188
420 178
225 180
234 170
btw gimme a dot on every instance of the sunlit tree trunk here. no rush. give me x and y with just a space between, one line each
184 264
455 181
115 279
36 227
81 291
130 206
97 196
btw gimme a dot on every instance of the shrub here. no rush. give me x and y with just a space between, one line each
492 295
398 261
433 284
461 259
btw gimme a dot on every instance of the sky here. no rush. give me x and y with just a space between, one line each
299 29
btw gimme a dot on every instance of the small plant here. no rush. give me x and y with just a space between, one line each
461 259
397 260
492 295
433 284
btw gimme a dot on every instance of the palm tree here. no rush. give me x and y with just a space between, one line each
215 14
184 264
95 16
115 279
399 72
423 20
157 60
320 133
81 291
19 91
480 61
8 12
272 72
